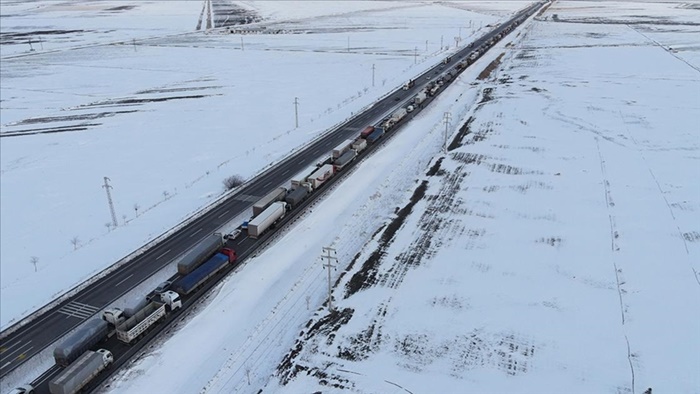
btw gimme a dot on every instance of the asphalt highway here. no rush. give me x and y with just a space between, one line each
19 345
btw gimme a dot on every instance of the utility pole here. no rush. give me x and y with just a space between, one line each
242 48
415 55
209 13
441 43
296 112
328 265
372 74
446 119
107 186
426 45
460 32
456 42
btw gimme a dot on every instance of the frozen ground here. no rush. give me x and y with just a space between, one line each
556 248
553 249
167 113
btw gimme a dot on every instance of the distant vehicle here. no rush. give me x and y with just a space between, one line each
410 108
378 132
409 84
72 379
233 234
366 131
343 160
359 145
162 287
24 389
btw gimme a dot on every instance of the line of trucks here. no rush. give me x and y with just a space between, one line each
195 267
209 257
274 206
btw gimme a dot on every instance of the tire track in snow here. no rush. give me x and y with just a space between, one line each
615 248
696 275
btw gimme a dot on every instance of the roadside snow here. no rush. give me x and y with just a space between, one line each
168 118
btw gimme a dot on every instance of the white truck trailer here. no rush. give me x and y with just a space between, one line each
81 372
300 178
398 115
321 175
359 145
275 195
340 149
129 329
267 218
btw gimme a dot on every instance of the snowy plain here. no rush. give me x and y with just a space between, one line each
555 249
167 113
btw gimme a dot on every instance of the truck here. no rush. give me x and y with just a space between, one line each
301 177
411 83
270 216
447 60
72 379
321 175
274 196
199 253
296 196
359 145
434 90
341 149
398 114
115 316
81 340
128 329
343 160
419 98
191 282
366 131
376 135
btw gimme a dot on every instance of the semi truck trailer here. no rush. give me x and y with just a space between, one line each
72 379
81 340
129 329
191 282
200 253
274 196
262 222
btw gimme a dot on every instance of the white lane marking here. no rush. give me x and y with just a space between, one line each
162 254
122 281
285 172
223 213
4 349
267 184
78 309
194 233
18 350
301 162
244 238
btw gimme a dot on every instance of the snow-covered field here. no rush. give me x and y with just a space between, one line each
553 249
127 90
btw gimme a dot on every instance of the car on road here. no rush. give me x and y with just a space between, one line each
162 287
